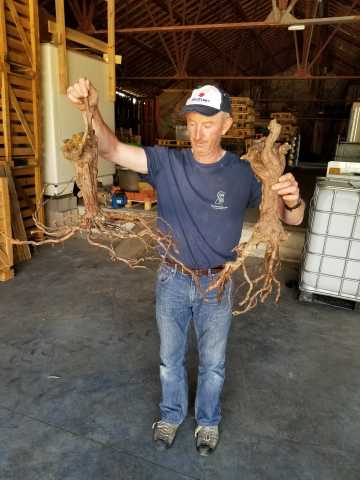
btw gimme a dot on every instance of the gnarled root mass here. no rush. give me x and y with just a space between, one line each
96 225
267 160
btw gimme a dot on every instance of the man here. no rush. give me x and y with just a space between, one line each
203 193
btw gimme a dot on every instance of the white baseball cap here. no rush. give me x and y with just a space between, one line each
208 100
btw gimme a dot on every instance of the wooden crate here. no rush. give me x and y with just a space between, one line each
241 101
6 249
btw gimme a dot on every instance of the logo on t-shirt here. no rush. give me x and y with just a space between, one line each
219 203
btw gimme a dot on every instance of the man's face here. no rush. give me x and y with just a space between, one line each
205 132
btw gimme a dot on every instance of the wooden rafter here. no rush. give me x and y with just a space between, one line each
84 14
348 19
244 77
322 48
177 50
263 47
161 37
154 52
204 40
189 45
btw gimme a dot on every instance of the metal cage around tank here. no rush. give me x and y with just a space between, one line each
331 256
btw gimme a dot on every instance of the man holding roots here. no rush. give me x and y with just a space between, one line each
203 193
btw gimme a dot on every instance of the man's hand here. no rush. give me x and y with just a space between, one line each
288 190
79 91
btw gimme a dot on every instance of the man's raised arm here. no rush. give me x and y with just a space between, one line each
110 148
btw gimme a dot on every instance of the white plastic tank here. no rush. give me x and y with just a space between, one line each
331 259
60 120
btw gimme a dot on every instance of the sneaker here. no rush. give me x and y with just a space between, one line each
207 439
164 434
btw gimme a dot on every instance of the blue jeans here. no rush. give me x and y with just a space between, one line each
178 300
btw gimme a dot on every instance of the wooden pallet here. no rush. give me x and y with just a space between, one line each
243 125
148 203
145 196
241 101
243 116
241 109
347 304
6 249
173 143
240 133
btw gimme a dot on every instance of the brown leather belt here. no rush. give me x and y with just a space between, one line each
194 271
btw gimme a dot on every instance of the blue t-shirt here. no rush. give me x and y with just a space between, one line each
204 204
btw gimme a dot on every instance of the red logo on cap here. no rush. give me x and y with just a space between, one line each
201 94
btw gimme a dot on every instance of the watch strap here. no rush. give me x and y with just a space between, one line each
297 205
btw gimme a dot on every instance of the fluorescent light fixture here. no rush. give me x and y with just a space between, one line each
296 26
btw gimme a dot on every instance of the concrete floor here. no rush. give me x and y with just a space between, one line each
79 381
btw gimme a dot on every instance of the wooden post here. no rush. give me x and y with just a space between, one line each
61 45
111 49
5 87
35 42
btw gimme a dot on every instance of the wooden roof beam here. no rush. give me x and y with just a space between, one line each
246 77
323 47
255 34
84 15
236 25
208 43
150 50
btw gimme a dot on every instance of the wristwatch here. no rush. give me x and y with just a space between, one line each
297 205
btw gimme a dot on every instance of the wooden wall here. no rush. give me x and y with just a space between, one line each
20 116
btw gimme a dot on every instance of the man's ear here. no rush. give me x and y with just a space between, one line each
226 125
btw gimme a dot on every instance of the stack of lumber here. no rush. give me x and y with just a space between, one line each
6 251
18 231
288 122
243 114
